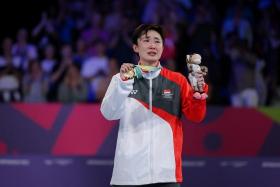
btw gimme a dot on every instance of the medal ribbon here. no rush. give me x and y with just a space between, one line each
139 70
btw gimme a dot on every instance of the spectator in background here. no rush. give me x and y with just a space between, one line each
272 31
102 83
81 52
171 36
6 56
35 85
243 79
9 86
120 43
114 18
94 31
201 29
73 88
151 12
23 51
239 24
66 26
49 60
44 33
59 71
10 76
95 67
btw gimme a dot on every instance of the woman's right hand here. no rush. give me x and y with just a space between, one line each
125 67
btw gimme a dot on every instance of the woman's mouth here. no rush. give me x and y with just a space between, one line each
152 53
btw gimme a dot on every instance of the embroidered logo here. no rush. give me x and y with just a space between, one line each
167 94
133 92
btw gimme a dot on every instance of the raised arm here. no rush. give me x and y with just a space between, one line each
112 105
193 109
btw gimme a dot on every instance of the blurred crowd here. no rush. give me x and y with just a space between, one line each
71 54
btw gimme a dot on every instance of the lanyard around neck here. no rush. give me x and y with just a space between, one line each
139 70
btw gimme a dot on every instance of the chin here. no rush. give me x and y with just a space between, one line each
152 60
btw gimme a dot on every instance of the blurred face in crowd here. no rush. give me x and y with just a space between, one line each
34 69
73 72
7 44
81 45
149 47
49 52
100 49
66 51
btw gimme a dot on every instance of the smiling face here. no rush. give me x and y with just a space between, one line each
149 47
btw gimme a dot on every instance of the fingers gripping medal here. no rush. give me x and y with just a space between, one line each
129 74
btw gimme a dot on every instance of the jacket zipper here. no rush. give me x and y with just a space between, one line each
151 95
151 134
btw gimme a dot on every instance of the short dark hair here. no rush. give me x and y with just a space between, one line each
143 29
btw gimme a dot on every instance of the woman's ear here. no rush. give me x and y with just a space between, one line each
135 48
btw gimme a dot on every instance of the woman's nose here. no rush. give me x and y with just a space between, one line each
152 45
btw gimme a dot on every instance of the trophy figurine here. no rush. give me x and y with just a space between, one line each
193 62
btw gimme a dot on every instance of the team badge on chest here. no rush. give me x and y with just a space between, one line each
167 94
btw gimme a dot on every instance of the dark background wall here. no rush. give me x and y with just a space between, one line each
15 14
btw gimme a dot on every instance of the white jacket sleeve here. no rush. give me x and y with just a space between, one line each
112 106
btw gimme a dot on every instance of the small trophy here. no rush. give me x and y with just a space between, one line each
193 62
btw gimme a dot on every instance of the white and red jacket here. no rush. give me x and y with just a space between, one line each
150 137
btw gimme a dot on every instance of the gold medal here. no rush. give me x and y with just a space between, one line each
129 74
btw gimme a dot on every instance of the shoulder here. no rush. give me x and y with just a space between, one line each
173 76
